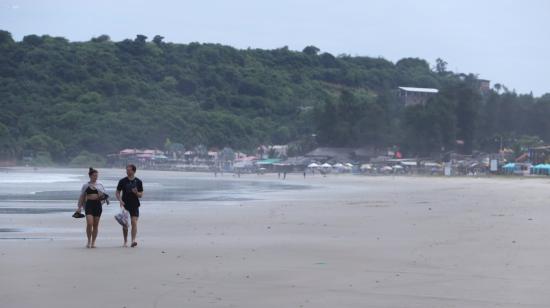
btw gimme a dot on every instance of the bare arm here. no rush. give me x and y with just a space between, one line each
81 200
117 194
82 197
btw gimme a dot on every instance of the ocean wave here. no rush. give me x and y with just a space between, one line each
41 178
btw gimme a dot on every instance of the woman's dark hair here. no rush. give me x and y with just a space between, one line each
132 166
91 171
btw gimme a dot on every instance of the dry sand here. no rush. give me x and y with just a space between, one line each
349 241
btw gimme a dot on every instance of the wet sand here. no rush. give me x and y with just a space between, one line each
348 241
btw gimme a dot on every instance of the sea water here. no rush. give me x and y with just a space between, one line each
53 190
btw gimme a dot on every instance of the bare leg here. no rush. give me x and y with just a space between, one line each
89 226
134 229
125 234
95 231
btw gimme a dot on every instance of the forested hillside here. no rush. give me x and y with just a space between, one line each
59 98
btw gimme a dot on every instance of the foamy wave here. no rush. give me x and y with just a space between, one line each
23 178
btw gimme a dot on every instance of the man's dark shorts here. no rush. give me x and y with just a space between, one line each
133 210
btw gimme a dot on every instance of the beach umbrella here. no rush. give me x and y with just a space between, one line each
349 165
313 165
386 168
338 165
326 165
366 167
397 167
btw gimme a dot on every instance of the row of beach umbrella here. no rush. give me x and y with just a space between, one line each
327 165
348 165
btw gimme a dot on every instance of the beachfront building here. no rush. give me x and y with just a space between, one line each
271 151
140 157
484 86
539 155
332 155
411 96
298 163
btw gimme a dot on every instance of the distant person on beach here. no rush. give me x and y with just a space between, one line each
132 190
92 195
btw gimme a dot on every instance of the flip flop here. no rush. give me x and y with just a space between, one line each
134 244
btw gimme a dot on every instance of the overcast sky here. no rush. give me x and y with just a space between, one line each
501 40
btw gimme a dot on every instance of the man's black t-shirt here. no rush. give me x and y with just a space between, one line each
126 185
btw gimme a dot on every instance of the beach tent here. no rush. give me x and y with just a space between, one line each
541 169
313 165
509 167
267 162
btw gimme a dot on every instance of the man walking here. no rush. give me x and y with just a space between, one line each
132 190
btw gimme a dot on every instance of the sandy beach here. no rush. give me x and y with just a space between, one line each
345 241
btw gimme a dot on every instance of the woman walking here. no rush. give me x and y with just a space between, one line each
91 196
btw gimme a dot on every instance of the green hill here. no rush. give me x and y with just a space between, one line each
59 98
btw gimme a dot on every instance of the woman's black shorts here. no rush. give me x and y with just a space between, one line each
93 207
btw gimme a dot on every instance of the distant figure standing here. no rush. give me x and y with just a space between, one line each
304 174
132 190
284 175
